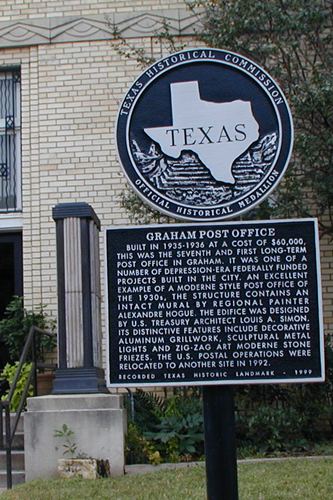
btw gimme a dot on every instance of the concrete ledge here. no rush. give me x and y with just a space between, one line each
70 402
144 468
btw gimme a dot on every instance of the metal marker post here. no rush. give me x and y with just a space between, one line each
220 443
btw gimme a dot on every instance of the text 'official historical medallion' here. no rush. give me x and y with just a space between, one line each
204 134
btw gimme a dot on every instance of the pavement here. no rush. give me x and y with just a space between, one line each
144 468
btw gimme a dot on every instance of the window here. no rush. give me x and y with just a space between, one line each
10 141
11 277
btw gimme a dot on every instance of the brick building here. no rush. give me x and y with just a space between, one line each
61 82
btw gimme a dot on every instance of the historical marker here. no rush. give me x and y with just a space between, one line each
228 303
204 149
205 135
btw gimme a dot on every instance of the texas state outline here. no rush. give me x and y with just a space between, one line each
218 132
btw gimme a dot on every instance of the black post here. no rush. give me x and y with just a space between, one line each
220 443
34 363
8 448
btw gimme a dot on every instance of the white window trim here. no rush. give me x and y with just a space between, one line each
10 223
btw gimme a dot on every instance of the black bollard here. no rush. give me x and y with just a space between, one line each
220 443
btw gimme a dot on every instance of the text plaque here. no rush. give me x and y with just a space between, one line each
231 303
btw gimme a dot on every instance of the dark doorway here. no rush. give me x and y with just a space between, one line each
11 276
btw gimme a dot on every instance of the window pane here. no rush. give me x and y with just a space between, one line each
9 141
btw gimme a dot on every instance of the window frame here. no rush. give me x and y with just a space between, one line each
10 128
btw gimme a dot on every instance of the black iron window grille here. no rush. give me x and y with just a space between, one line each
10 141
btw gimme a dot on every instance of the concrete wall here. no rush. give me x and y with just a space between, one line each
98 422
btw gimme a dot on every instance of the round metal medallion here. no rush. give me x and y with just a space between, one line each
204 134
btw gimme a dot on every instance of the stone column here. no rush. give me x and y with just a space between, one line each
79 317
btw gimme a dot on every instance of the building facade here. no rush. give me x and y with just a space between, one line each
62 79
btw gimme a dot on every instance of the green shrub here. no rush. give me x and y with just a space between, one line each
269 419
138 449
272 429
166 429
148 409
15 326
284 418
8 373
179 436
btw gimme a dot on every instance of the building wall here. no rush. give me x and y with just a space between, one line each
326 257
71 90
18 9
72 84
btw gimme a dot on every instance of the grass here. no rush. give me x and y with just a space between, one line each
290 479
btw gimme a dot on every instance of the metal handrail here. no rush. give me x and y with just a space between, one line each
10 430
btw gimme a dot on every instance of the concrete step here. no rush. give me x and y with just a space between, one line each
18 441
20 425
18 473
18 477
17 460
